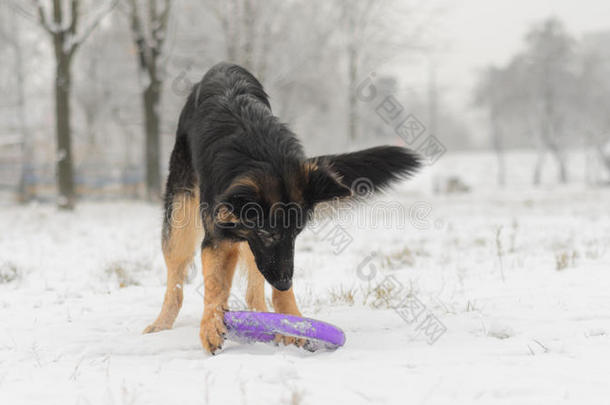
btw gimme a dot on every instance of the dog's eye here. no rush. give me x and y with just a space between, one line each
264 234
267 237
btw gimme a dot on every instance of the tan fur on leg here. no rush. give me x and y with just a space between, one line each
255 293
285 303
184 234
218 262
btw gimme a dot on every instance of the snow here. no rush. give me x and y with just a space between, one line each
88 282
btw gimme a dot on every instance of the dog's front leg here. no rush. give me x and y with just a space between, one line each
285 303
218 262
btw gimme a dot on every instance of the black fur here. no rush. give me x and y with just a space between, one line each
227 133
378 166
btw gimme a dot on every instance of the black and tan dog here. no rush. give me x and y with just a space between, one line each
241 178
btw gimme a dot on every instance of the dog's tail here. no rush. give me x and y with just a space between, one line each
373 169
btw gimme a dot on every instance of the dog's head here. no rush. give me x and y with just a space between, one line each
268 208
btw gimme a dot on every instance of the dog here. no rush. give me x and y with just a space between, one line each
240 184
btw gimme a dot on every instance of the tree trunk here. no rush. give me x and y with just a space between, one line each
551 129
563 170
501 168
498 147
63 31
151 96
603 157
352 126
432 99
148 55
65 178
548 138
561 163
538 167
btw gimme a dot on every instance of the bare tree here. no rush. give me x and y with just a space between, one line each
149 27
490 93
550 57
373 30
355 20
63 29
249 29
534 94
593 105
94 96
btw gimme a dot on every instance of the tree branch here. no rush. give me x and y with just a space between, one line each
18 8
41 16
86 32
74 6
139 39
149 46
160 27
57 14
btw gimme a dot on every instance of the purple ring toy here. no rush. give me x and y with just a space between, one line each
249 327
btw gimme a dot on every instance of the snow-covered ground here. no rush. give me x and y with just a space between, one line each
510 288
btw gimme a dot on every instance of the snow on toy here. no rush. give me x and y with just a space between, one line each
250 327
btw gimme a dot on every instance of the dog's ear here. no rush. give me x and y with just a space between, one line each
371 170
322 184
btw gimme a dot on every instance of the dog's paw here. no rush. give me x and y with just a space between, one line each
212 332
152 328
289 340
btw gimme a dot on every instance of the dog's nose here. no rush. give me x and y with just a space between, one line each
283 284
